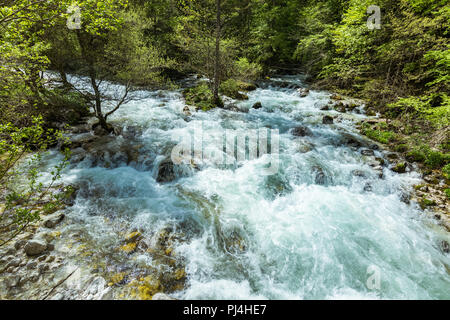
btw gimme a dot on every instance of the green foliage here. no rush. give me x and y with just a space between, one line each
431 158
231 88
434 108
447 193
200 96
446 171
379 135
246 70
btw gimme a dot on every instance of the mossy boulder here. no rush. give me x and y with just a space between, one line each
399 167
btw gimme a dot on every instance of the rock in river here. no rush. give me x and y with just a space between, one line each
327 120
35 247
301 132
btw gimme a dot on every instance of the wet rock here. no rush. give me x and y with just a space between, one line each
77 155
445 247
368 187
367 152
320 177
359 173
336 96
35 247
32 265
53 220
133 237
303 92
305 147
380 161
325 108
77 141
19 244
257 105
327 120
301 131
340 107
166 172
405 198
187 111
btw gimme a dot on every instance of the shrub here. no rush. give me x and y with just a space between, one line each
381 136
246 70
446 171
447 193
231 88
200 96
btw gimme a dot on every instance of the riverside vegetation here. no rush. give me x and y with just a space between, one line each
69 89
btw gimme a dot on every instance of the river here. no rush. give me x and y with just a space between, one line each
327 224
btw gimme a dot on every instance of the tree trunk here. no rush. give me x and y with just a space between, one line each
217 55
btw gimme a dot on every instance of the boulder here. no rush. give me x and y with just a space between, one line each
400 167
257 105
359 173
187 111
245 86
35 247
327 120
166 172
320 177
367 152
303 92
301 131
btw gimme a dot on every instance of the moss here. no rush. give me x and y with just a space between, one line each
425 203
384 137
145 288
129 247
180 274
446 171
400 167
447 193
231 88
416 156
436 159
401 148
133 237
117 278
201 97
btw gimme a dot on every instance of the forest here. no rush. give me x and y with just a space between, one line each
393 55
